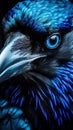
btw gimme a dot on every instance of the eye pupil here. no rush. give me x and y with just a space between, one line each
53 40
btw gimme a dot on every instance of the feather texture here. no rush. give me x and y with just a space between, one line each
44 93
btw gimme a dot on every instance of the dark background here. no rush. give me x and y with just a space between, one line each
5 5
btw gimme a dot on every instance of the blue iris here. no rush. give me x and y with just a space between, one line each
53 41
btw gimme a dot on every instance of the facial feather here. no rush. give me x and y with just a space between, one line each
46 90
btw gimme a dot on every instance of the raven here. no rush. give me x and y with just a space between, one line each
36 66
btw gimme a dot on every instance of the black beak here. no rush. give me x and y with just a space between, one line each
12 62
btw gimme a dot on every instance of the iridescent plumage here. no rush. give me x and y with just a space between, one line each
45 91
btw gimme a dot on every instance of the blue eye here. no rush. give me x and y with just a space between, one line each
53 41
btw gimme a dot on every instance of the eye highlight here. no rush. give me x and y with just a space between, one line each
53 41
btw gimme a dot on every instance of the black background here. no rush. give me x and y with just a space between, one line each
6 5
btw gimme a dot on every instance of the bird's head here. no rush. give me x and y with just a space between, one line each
39 45
37 38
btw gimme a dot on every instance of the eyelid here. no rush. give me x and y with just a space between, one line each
54 34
